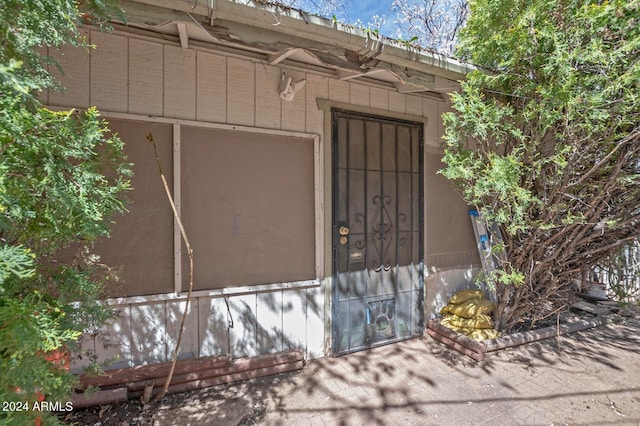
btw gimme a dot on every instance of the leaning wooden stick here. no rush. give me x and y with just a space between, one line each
165 388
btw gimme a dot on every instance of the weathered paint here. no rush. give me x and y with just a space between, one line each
141 76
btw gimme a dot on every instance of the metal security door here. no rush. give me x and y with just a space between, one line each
377 231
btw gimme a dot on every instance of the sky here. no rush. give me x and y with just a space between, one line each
365 10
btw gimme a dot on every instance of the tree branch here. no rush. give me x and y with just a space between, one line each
167 382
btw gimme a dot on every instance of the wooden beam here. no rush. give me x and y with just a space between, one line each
241 366
276 58
409 88
232 377
122 376
184 34
455 345
101 397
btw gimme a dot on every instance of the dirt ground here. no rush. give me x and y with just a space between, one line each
590 377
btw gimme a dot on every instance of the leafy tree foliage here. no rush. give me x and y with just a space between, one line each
61 180
546 140
435 23
432 24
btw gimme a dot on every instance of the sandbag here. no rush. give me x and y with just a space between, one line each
466 295
477 334
481 334
470 308
480 321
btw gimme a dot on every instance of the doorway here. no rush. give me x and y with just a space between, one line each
378 230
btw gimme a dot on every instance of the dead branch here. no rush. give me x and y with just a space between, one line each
167 382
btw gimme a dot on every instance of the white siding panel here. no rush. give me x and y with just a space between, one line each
359 94
189 346
109 74
110 345
379 98
211 96
414 105
294 319
317 88
397 102
293 112
315 322
213 326
116 344
74 62
243 333
240 92
145 77
148 335
179 83
268 102
269 315
339 90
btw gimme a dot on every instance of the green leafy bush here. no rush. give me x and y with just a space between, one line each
61 181
546 140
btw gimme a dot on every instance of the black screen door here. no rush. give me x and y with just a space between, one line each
378 294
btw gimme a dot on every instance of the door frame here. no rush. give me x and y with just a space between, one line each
420 124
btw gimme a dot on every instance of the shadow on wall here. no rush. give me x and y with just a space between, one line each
242 326
441 285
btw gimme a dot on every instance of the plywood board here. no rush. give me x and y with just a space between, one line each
268 102
240 92
109 72
179 83
443 205
213 326
317 88
269 322
145 77
148 333
339 90
144 264
248 206
211 96
189 345
379 98
359 94
242 333
74 62
294 319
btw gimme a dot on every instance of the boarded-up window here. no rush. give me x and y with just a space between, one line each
141 243
248 207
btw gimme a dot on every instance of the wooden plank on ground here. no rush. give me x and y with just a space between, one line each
233 377
591 308
101 397
238 366
142 373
